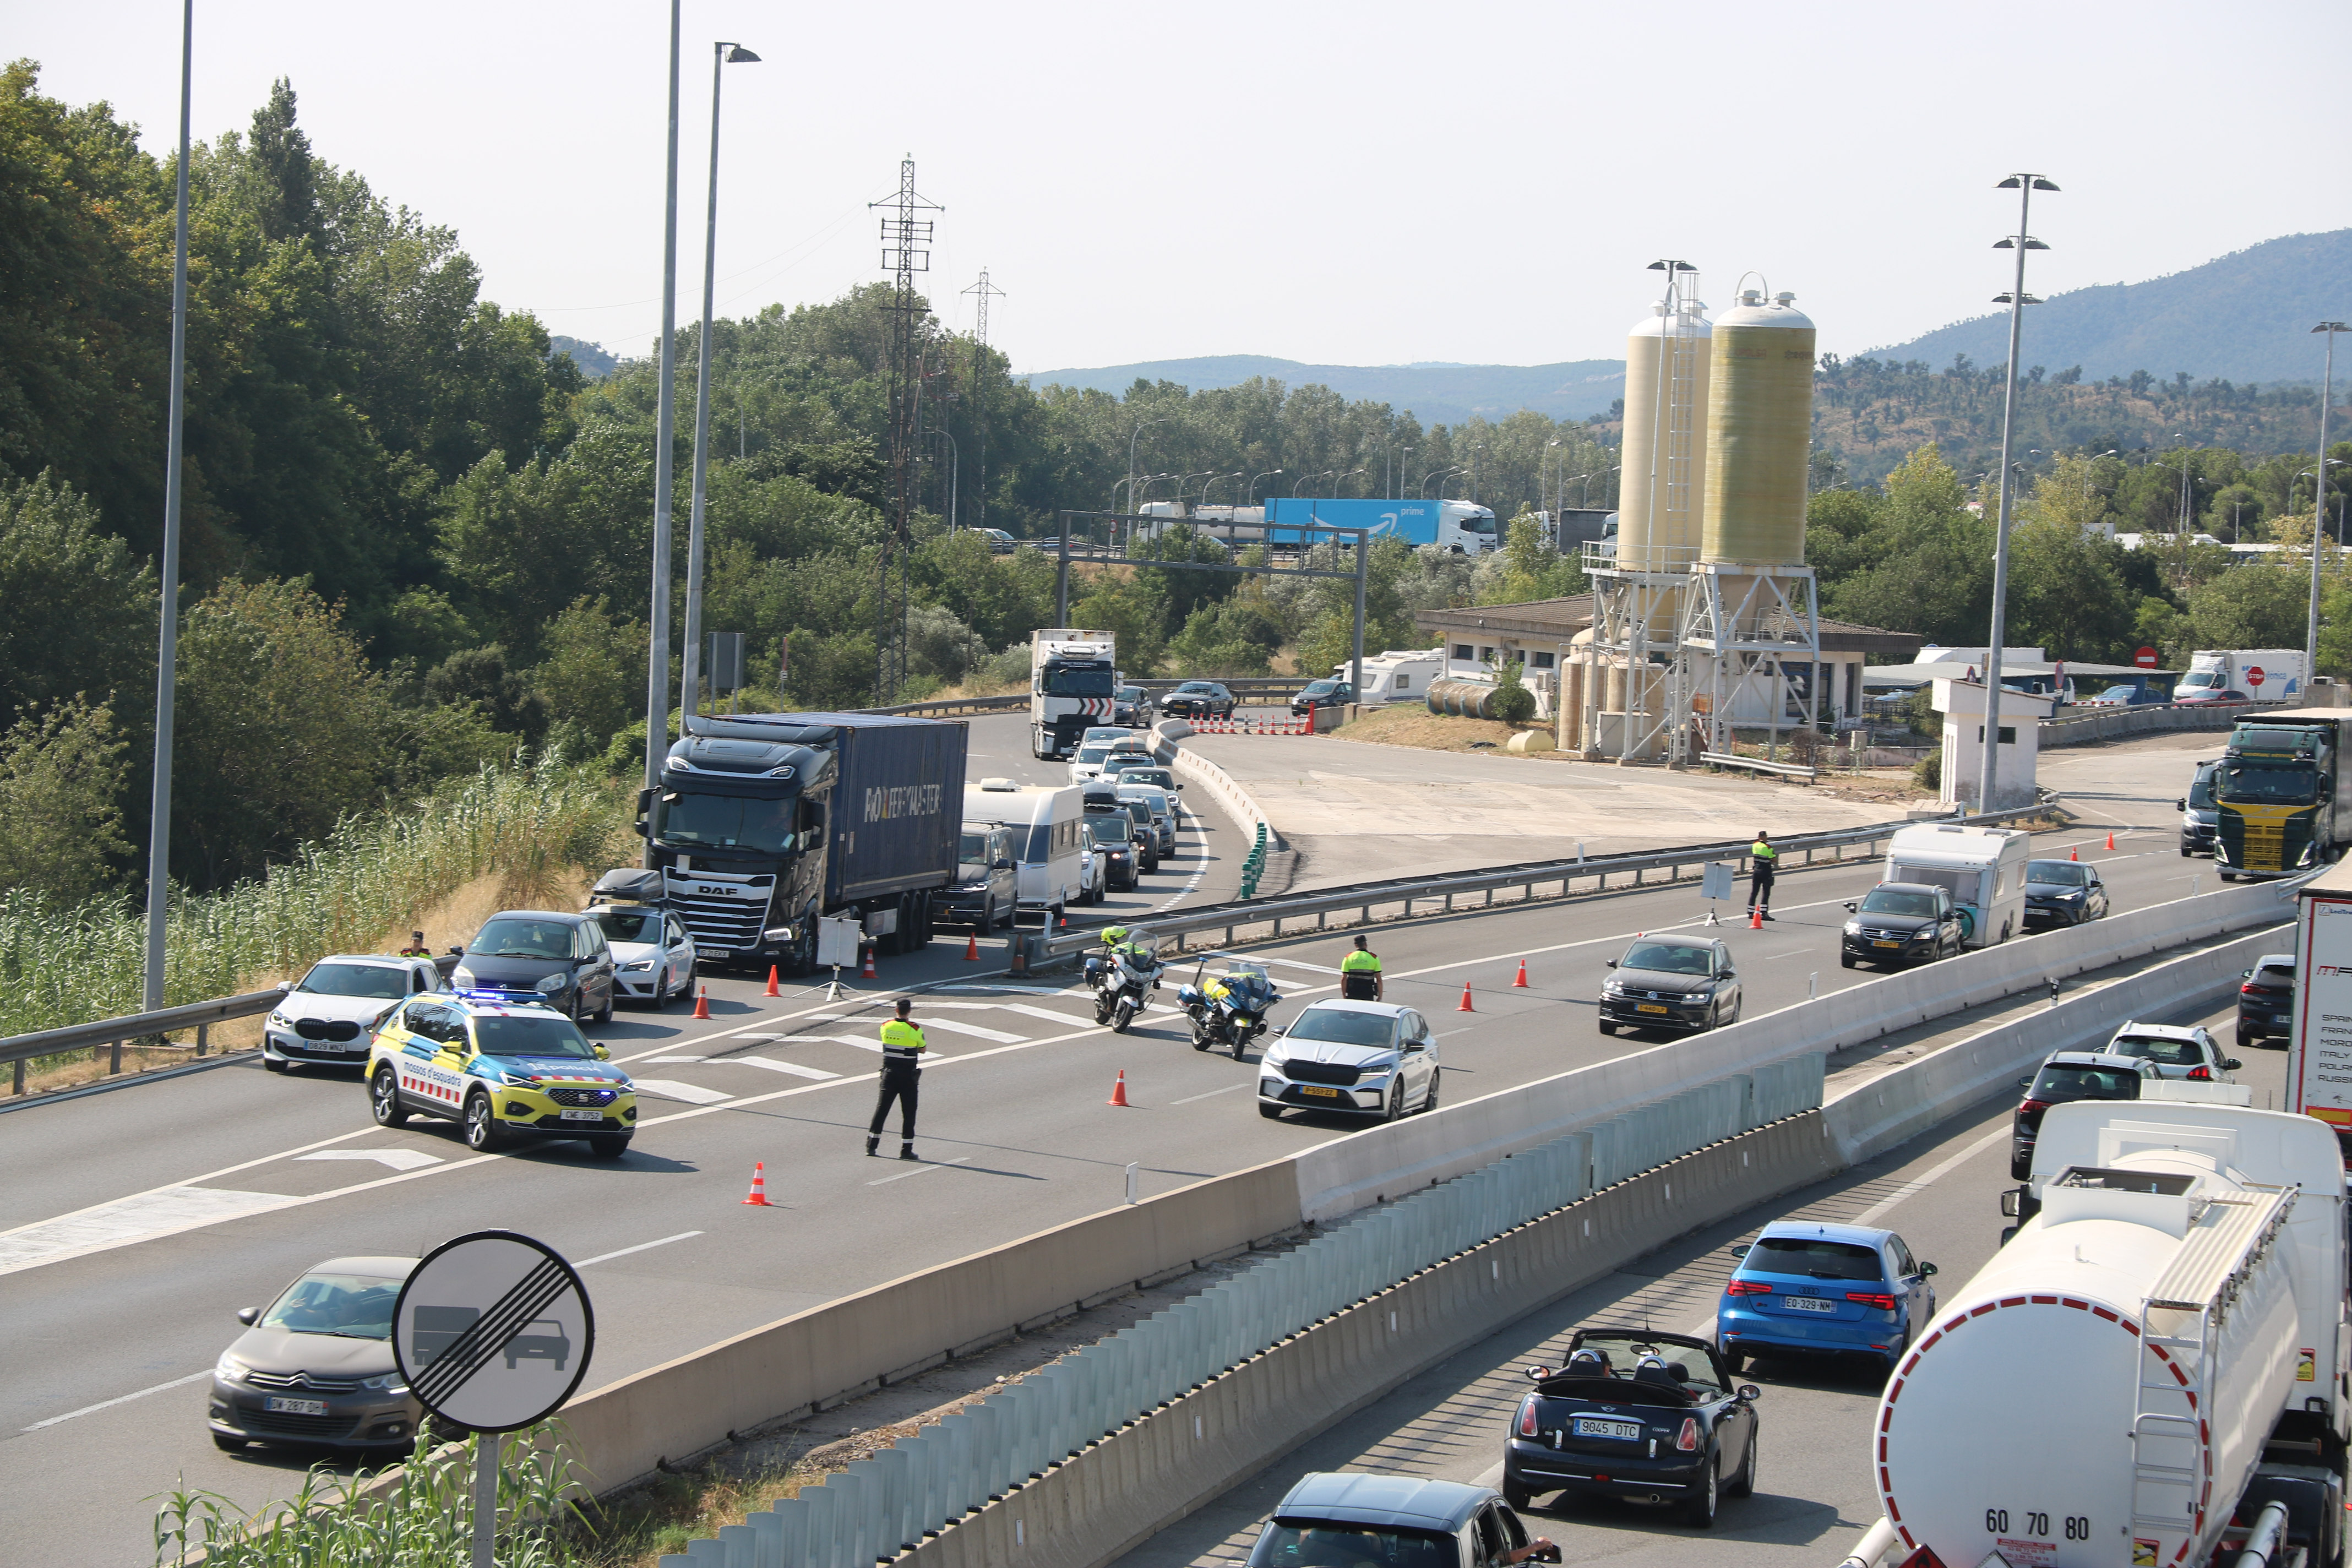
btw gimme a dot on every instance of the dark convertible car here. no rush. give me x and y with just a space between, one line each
1645 1416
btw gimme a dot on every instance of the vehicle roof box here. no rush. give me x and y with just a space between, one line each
628 885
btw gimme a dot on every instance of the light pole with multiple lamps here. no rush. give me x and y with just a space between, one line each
2318 502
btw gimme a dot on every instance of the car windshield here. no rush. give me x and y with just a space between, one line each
1199 689
1625 1353
724 822
2278 786
2200 793
1103 732
526 1034
1092 753
2159 1049
1317 688
349 1306
1130 694
1344 1026
1814 1256
631 925
2061 873
2056 1082
1157 777
1106 826
1078 681
368 982
1296 1544
1896 901
972 850
1669 958
523 939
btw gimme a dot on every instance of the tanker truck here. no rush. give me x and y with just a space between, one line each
2152 1368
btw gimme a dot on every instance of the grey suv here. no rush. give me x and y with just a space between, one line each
563 957
1395 1521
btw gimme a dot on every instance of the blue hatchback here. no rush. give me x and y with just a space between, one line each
1824 1290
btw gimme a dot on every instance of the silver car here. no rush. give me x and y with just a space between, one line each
316 1368
1163 813
1366 1059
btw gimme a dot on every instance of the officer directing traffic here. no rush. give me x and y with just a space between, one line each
1763 861
902 1072
416 948
1360 975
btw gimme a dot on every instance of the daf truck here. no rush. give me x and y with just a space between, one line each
2283 796
1073 686
762 823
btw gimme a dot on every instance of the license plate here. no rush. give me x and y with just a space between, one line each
1887 944
1650 1007
1808 1304
1624 1431
1319 1090
298 1406
714 953
582 1115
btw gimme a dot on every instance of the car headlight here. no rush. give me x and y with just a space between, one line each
281 1020
2071 897
461 978
554 985
640 967
1612 988
228 1369
388 1383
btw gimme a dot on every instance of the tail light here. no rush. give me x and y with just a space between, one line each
2029 1107
2200 1075
1687 1438
1527 1417
1878 1298
1747 1287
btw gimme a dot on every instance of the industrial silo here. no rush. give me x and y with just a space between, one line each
1758 434
1663 482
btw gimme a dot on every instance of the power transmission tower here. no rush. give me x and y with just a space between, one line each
982 291
906 250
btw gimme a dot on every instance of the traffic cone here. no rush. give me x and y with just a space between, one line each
1755 918
1521 983
972 948
702 1002
867 972
1119 1089
758 1198
2111 841
1465 1007
2073 852
771 982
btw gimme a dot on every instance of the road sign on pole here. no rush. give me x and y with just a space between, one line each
492 1332
2145 658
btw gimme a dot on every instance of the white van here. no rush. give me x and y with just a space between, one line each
1400 675
1045 819
1982 868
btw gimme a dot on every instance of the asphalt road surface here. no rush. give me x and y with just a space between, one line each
145 1215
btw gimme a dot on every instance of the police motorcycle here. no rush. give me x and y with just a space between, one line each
1121 977
1230 1010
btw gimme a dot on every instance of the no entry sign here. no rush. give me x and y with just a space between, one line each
2145 658
492 1331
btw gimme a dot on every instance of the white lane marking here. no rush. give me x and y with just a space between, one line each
1288 962
1046 1013
1200 845
974 1030
398 1159
692 1093
1227 1089
159 1212
641 1246
1934 1174
860 1041
667 1061
121 1399
774 1065
1022 990
919 1171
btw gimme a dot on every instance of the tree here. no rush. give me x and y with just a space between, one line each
594 676
1933 575
2259 606
80 608
62 774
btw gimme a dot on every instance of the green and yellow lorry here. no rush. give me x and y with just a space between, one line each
2284 794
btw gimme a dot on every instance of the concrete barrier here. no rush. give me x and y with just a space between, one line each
1237 800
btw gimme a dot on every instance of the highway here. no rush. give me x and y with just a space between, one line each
145 1215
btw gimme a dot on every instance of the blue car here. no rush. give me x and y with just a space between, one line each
1805 1288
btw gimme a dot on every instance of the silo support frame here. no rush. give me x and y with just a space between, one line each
1636 618
1742 626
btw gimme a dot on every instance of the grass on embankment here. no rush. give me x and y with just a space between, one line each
1402 725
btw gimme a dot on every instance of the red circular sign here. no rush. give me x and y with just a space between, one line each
2254 675
2145 658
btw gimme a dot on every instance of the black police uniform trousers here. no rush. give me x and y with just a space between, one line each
902 1078
1361 985
1760 885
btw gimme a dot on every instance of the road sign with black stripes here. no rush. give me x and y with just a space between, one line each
493 1332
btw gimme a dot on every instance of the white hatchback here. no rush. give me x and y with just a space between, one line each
331 1013
653 956
2176 1051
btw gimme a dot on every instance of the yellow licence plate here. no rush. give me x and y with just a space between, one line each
1887 944
1318 1089
1649 1008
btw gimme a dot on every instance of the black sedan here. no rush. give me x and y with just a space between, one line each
1198 699
2062 893
1644 1416
1323 694
1684 983
1901 922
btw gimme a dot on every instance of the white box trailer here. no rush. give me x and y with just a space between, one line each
1982 868
2264 674
1400 675
2319 1041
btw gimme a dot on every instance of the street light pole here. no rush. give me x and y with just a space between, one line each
1140 426
167 647
2318 502
2017 299
1251 499
664 418
722 54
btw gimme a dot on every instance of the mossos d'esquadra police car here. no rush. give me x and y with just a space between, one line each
504 1069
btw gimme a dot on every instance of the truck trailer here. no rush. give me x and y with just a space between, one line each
2153 1366
2319 1040
1459 526
2264 674
2281 800
764 822
1073 684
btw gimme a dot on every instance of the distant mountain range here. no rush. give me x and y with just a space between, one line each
593 361
2244 317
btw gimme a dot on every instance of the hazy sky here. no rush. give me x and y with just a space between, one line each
1342 184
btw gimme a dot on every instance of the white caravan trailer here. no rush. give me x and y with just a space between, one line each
1982 868
1045 820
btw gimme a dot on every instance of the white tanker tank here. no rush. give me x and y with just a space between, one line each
2100 1394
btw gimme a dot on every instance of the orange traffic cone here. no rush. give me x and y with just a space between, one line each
702 1002
758 1197
1521 983
771 982
1066 920
1119 1089
867 972
972 948
2111 841
1465 1007
1755 918
2073 852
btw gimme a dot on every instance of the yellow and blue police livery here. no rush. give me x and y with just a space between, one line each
505 1069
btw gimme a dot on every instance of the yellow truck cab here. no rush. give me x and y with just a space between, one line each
2279 798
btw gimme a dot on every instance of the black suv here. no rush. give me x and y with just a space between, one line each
2267 1000
1198 699
1901 923
2066 1075
1323 694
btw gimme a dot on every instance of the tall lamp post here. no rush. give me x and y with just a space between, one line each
722 54
2318 499
664 419
1250 498
2017 299
1140 426
167 647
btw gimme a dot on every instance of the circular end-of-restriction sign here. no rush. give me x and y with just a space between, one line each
492 1331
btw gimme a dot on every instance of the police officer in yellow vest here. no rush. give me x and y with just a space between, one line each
1360 975
1762 862
416 948
902 1072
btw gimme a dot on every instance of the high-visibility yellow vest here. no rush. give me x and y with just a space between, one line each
1762 851
902 1039
1361 963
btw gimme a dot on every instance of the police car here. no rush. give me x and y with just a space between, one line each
507 1069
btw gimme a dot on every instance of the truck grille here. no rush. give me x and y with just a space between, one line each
2265 846
722 919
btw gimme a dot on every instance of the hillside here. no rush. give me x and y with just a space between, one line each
594 362
2244 317
1436 394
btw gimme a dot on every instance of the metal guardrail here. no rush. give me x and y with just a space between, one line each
197 1015
1366 897
1280 688
1786 770
2150 718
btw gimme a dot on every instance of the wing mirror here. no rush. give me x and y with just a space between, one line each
248 1315
2009 1200
2025 1083
1750 1392
2230 1064
1851 907
1926 1269
2180 805
1537 1374
1610 962
1000 865
2245 974
1547 1552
